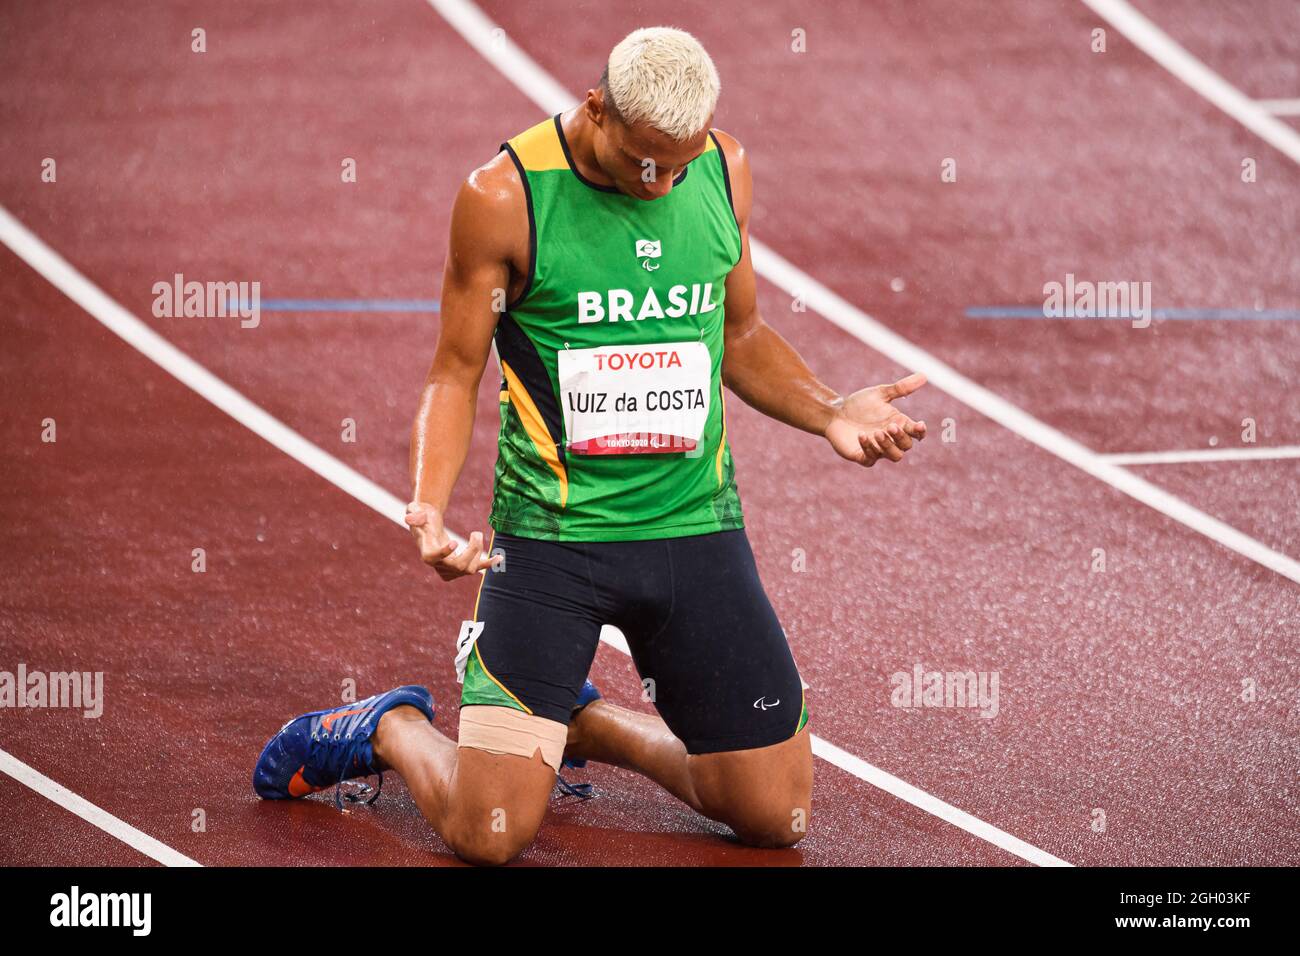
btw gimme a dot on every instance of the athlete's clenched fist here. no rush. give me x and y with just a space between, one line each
437 548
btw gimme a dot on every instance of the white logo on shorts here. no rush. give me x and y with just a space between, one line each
762 703
469 635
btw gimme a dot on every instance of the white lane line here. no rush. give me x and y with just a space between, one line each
865 329
92 814
60 273
1162 48
930 804
95 301
1280 107
1203 454
485 37
495 45
534 82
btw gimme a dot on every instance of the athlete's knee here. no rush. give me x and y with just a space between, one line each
774 817
773 827
505 771
488 842
488 827
764 795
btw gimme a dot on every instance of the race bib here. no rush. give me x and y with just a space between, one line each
635 399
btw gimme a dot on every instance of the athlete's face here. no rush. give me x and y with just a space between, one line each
642 161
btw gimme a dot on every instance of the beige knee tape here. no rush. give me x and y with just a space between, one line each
504 730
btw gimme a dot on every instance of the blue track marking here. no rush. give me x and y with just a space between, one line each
346 305
1185 315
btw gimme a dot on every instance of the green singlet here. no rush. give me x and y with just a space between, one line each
612 419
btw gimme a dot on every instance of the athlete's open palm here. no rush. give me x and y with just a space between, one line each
869 427
437 548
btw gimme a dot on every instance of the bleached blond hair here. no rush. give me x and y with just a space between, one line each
663 77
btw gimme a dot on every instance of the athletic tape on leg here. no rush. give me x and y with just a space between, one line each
504 730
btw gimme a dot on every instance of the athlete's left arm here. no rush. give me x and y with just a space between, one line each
767 373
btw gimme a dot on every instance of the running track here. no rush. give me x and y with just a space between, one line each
1120 691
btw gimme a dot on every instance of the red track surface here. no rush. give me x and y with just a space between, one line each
1119 690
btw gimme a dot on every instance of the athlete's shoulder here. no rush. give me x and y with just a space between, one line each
498 185
731 148
489 218
494 187
739 181
492 205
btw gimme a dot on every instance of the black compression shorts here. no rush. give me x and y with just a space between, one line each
711 654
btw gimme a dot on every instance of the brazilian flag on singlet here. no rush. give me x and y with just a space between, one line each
612 419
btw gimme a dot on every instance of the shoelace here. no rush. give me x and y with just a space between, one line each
349 757
347 730
583 791
359 795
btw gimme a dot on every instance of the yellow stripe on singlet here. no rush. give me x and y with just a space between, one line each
535 426
538 147
722 444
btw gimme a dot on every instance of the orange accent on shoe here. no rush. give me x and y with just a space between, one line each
298 787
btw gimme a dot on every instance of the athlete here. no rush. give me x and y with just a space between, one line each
605 252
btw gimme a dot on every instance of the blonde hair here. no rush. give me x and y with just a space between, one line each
663 77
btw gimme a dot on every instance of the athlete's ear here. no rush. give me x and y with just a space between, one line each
595 106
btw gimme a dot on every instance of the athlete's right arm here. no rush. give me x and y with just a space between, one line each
485 244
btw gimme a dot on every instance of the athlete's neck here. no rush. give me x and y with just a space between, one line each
578 133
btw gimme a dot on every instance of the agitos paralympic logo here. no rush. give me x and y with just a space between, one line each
647 249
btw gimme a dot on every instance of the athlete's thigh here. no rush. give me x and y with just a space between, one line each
722 674
523 658
534 632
